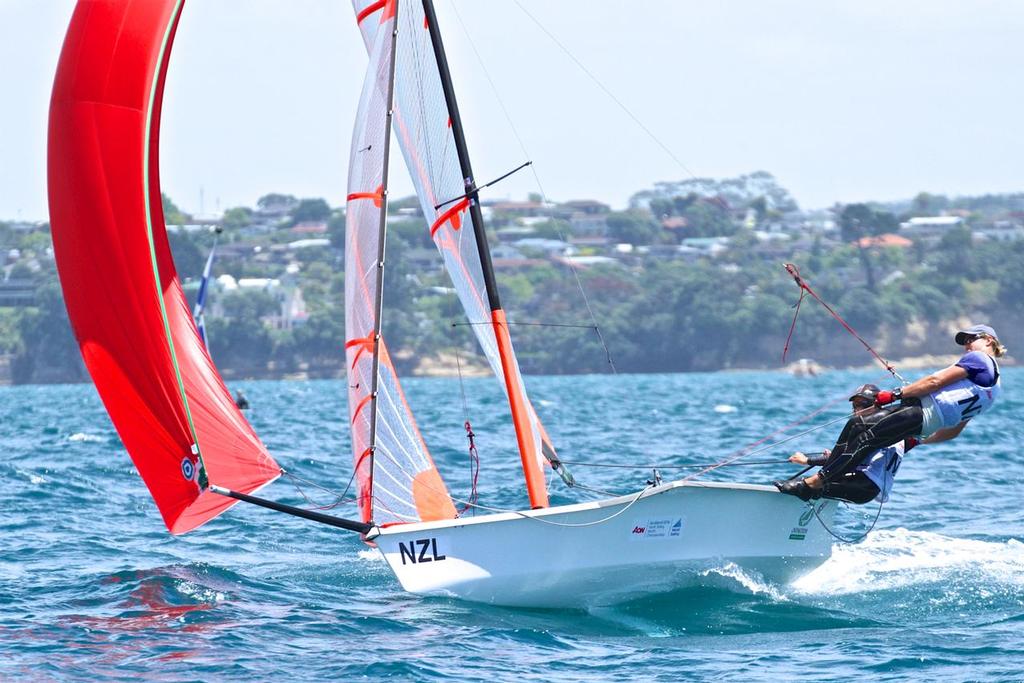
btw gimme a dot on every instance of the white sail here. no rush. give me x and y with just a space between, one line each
397 479
423 130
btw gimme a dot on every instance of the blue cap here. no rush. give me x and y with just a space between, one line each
973 331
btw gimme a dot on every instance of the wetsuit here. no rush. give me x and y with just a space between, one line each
869 480
919 418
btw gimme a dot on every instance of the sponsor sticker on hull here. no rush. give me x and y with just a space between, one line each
799 532
665 528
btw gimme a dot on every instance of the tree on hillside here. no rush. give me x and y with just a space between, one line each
238 217
172 214
189 257
857 221
48 352
925 204
276 202
336 230
311 211
632 227
709 218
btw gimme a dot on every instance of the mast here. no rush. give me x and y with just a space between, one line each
535 485
378 307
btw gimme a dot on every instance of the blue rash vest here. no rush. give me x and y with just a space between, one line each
965 398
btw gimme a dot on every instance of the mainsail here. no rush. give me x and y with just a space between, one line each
423 126
129 314
397 479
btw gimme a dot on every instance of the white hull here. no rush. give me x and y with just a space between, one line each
660 541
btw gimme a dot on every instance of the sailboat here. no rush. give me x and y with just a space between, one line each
197 454
199 310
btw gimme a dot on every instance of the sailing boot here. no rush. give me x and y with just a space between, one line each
798 488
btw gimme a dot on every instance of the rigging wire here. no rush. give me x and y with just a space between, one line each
674 467
474 456
540 185
805 288
606 90
595 522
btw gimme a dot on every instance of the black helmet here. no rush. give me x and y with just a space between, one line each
866 391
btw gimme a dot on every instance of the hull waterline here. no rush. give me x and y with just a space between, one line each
613 550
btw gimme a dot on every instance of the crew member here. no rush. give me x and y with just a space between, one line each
869 480
932 409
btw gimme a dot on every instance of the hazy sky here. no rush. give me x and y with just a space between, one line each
841 100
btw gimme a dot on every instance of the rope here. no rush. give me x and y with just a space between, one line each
672 467
339 499
847 540
745 450
474 468
804 287
522 514
792 325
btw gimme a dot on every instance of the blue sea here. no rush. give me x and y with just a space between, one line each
92 587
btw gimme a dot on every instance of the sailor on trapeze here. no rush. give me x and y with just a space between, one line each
932 409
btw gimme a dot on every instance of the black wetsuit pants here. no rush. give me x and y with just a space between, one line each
862 436
854 487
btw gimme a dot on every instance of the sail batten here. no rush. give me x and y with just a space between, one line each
425 130
388 450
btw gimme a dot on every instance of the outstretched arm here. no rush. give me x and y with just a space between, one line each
934 382
946 433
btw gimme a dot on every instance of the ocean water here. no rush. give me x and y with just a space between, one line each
93 587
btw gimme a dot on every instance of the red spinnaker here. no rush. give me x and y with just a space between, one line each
175 416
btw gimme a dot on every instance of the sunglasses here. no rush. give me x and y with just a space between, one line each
860 403
974 338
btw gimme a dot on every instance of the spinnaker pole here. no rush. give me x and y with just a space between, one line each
535 485
339 522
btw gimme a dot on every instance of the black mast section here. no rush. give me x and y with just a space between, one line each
490 282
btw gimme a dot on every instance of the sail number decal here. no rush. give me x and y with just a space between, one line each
419 551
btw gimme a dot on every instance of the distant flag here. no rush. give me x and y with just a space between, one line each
204 286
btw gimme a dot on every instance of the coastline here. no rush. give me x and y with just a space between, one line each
448 365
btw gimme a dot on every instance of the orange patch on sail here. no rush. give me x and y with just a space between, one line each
452 215
430 496
377 196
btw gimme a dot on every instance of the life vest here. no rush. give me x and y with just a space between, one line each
964 399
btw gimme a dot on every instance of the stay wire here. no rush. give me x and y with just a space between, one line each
536 176
524 515
670 467
474 457
794 272
607 91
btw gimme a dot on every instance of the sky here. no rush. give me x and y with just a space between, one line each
843 100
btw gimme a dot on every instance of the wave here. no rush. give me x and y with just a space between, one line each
89 438
899 558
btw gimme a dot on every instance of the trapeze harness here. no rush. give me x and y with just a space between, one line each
870 480
913 418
